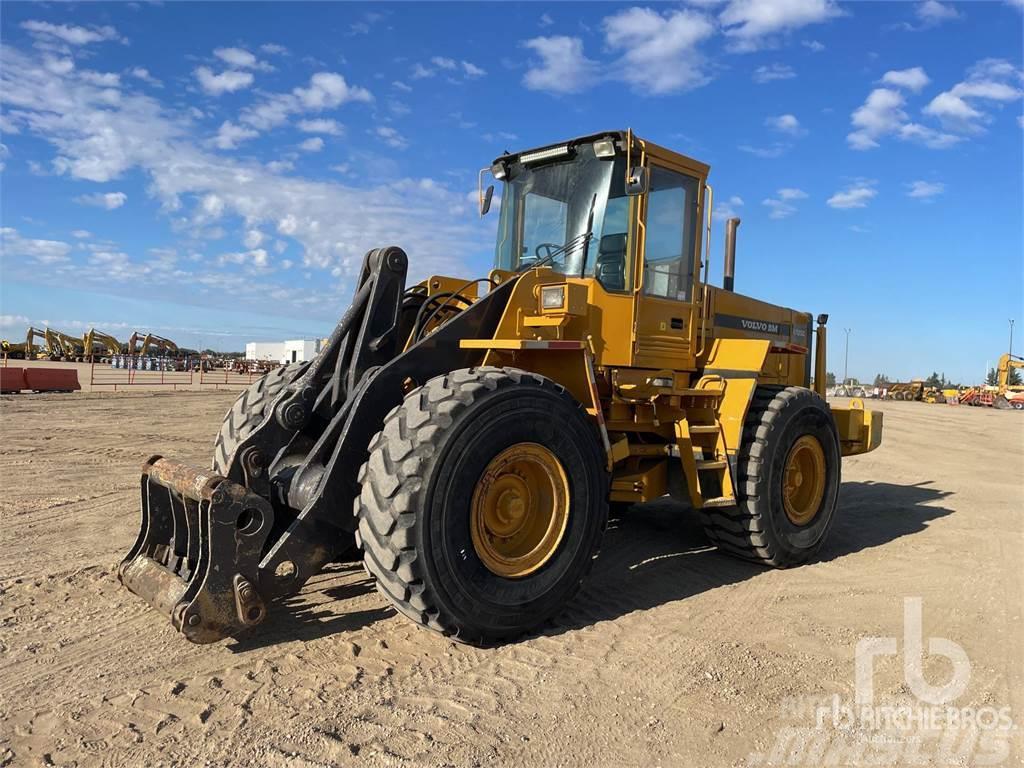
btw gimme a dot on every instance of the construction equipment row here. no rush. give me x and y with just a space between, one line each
93 345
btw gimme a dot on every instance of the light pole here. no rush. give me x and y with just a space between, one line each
846 359
1011 336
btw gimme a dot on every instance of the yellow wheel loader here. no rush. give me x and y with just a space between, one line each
468 435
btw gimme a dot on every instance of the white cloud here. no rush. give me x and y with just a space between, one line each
444 63
108 200
228 81
102 79
312 144
253 239
932 12
881 113
8 321
498 137
321 125
727 209
141 73
212 205
813 45
753 24
929 137
419 72
545 20
81 234
257 258
778 149
229 135
71 35
14 246
913 79
562 68
785 124
961 108
781 206
274 49
236 57
391 137
856 195
58 66
398 85
768 73
925 189
327 90
331 224
658 51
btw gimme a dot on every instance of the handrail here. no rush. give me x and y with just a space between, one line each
709 199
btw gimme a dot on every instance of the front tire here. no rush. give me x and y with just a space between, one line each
788 471
249 411
483 503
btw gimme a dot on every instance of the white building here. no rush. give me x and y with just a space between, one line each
293 351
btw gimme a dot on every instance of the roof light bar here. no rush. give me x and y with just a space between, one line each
544 154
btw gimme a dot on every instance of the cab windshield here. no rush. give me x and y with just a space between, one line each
545 210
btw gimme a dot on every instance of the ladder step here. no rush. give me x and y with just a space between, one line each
712 464
703 429
720 501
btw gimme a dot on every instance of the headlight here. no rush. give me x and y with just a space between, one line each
604 148
552 297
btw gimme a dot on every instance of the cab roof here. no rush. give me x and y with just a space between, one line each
619 136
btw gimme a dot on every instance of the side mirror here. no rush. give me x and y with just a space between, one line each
637 180
485 201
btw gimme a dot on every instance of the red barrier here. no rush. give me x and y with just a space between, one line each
52 379
12 379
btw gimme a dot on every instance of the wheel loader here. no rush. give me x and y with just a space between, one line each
468 435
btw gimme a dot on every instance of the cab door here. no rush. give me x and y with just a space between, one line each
669 242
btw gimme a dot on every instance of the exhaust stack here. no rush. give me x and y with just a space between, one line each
730 253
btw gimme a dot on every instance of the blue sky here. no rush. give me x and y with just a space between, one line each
215 172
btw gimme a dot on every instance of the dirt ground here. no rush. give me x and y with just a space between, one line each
672 655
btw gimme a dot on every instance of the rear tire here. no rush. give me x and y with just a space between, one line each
786 431
418 510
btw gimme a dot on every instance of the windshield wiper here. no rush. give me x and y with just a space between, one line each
569 247
589 234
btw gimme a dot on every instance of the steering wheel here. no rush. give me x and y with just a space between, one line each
551 248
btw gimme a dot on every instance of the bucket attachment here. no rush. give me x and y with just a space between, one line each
197 555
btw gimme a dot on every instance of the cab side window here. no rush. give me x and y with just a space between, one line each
671 229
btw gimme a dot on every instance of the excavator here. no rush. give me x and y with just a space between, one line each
100 343
1003 394
70 348
150 344
50 349
467 435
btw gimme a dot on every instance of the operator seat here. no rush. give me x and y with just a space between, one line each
610 267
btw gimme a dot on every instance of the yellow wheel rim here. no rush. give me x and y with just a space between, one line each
803 483
519 510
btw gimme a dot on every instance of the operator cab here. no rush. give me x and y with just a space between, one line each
618 211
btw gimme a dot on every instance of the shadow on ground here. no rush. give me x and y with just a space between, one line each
653 554
322 608
657 553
